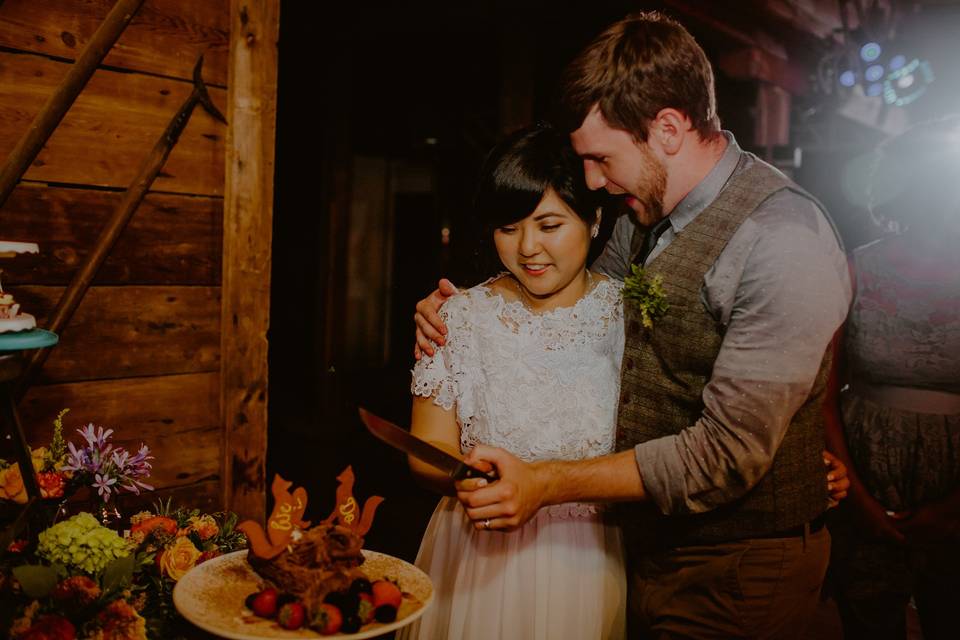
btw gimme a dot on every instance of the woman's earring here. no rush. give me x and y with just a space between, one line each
595 229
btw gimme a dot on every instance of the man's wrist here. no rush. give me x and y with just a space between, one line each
546 482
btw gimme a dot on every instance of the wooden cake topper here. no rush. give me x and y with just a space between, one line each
288 510
345 510
287 514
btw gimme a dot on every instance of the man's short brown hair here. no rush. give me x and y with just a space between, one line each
636 67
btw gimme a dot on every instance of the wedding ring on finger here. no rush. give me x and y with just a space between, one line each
486 524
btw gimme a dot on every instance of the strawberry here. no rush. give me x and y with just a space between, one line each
265 603
327 619
291 615
386 592
365 609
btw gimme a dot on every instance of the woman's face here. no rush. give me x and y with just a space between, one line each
547 252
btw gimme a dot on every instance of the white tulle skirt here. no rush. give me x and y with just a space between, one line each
561 576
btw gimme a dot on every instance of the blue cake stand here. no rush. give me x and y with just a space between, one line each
23 340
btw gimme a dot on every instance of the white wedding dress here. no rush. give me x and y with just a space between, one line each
543 386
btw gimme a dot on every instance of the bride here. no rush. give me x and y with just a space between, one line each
531 364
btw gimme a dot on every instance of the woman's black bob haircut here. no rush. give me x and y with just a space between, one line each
519 171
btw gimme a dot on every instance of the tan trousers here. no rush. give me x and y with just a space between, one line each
758 588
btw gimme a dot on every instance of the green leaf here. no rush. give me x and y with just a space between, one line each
118 574
37 580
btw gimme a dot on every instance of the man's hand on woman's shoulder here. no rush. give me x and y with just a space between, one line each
430 328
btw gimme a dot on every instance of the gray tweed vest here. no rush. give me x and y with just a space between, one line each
666 368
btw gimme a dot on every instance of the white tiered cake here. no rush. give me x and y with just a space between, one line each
11 318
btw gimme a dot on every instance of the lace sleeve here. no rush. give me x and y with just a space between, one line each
437 376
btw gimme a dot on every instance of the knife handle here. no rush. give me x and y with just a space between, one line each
466 472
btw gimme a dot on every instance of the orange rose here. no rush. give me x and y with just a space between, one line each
145 527
205 526
179 558
11 485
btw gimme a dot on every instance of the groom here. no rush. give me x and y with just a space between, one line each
719 429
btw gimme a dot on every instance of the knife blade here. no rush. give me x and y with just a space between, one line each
401 439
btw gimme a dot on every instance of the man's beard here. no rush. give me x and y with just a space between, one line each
650 193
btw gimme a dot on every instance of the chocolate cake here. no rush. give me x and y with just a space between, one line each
319 560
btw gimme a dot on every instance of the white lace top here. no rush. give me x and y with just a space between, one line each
542 386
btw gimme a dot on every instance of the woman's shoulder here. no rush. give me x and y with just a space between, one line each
606 281
490 291
471 300
608 289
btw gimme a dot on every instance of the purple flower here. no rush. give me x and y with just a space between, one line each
134 486
76 460
103 484
95 437
108 468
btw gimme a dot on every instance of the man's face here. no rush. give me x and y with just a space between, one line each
615 161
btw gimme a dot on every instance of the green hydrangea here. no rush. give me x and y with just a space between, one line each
81 543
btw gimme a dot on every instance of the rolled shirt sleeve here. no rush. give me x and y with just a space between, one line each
781 289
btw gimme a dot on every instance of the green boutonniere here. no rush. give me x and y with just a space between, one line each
647 293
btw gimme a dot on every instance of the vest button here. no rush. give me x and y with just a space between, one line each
625 398
628 363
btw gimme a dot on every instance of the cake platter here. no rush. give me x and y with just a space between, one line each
212 595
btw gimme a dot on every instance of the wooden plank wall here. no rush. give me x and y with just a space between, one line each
142 354
247 251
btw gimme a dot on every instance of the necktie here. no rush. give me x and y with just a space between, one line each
653 234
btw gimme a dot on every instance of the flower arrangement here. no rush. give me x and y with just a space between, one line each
79 579
62 587
647 294
47 463
173 541
63 467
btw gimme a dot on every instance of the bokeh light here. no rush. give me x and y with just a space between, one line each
870 51
873 73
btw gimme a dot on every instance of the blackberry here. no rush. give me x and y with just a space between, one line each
385 613
360 585
351 624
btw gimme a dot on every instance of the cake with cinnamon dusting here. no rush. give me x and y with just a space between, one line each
318 560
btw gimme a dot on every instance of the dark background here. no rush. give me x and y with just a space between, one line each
430 84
